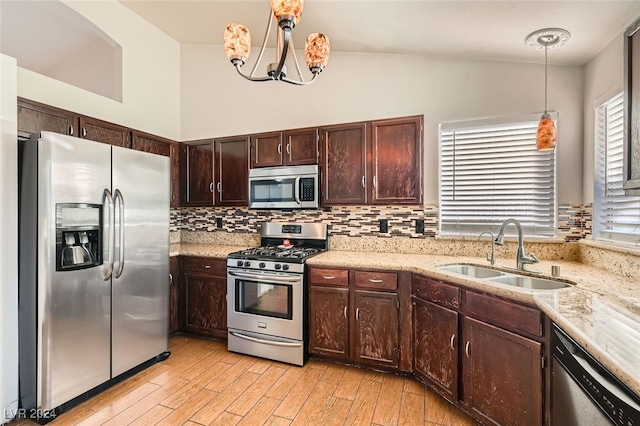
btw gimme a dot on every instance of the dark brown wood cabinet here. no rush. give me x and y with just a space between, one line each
199 173
289 148
105 132
34 117
343 159
502 375
156 145
203 296
266 150
435 336
231 183
396 166
355 316
174 294
375 162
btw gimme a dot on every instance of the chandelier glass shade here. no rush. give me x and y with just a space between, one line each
548 38
287 13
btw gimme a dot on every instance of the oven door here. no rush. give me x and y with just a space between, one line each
263 302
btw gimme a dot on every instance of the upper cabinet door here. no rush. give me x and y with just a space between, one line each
199 173
344 164
35 117
266 150
301 147
232 171
396 169
102 131
156 145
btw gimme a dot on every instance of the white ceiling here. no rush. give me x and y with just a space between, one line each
478 29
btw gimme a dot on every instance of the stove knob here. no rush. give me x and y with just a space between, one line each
278 266
261 265
247 263
239 262
285 267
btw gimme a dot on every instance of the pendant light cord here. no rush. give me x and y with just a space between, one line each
545 78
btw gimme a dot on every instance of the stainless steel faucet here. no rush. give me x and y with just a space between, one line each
490 258
521 258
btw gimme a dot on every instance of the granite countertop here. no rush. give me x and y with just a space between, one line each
601 311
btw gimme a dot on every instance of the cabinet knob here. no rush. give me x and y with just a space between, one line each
206 266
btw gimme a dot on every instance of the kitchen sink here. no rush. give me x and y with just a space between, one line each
472 271
530 283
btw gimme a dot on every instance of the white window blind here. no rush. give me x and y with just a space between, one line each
617 217
490 171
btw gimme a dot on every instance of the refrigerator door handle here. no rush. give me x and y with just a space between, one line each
106 196
120 199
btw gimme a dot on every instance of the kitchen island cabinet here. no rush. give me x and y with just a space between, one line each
203 296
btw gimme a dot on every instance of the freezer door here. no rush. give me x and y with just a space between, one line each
73 321
140 285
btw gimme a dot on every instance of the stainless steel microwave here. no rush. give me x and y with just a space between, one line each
294 187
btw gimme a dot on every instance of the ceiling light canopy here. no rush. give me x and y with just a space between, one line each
237 45
547 38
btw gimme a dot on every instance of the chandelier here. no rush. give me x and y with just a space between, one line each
547 38
237 45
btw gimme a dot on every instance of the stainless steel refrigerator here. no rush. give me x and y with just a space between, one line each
94 267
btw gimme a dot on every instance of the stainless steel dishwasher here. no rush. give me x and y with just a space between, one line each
584 392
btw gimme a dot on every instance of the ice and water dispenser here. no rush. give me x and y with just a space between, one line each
78 236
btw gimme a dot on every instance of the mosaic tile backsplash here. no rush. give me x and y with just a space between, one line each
574 221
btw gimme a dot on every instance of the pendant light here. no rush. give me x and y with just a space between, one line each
548 38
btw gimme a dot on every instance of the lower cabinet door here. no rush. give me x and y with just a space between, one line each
435 339
328 321
174 294
376 328
502 374
206 305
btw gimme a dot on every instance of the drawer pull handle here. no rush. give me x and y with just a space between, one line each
466 349
328 278
206 266
345 311
453 338
371 280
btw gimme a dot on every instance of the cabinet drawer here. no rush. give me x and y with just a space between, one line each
378 280
435 291
504 313
332 277
206 265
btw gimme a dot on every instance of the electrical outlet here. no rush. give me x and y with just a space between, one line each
419 226
384 226
219 222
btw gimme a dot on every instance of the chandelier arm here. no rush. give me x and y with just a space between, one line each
285 48
251 78
301 83
545 78
264 44
295 60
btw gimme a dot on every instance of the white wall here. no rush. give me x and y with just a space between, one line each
356 86
9 240
150 74
604 77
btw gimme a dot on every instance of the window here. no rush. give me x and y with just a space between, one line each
490 171
616 216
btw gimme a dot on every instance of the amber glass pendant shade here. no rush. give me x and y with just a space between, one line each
287 8
316 52
237 43
546 135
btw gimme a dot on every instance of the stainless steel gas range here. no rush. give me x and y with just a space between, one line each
267 292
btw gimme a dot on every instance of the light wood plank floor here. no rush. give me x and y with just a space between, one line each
201 383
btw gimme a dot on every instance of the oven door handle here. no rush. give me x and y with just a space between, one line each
266 342
266 277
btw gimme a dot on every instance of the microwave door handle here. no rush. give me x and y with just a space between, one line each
265 277
297 190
